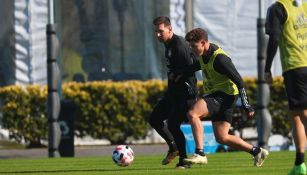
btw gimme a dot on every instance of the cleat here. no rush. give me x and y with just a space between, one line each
171 155
182 165
196 159
298 170
260 157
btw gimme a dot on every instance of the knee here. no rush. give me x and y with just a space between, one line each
192 115
222 139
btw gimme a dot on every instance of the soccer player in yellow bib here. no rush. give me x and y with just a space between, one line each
286 25
222 84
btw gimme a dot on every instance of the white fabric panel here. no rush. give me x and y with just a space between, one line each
232 24
22 42
30 27
177 16
39 9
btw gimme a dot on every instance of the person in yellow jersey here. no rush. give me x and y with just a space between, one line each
286 25
222 84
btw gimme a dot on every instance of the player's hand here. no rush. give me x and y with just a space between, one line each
268 77
250 112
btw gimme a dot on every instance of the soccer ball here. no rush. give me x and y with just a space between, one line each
123 155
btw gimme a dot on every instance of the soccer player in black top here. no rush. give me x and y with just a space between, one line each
222 84
286 25
173 106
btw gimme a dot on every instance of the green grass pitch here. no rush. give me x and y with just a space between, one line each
232 163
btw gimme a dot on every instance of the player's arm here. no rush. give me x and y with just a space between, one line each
189 64
224 65
276 16
270 52
181 75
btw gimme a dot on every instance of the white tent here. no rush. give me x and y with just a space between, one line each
233 25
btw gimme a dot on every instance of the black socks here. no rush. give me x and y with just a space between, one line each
200 152
255 151
299 159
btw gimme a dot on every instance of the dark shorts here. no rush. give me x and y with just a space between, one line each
296 88
220 106
174 105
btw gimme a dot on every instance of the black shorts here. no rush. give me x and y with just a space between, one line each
174 105
220 106
296 87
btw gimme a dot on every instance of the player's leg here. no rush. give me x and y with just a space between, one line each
183 100
221 121
157 121
299 135
174 122
196 112
304 119
174 127
296 87
221 132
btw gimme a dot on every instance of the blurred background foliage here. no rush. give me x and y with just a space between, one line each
116 111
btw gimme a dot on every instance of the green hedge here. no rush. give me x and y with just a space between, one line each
24 112
115 111
111 110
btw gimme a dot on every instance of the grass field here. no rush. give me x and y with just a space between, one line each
233 163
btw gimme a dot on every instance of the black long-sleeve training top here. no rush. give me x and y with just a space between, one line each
178 57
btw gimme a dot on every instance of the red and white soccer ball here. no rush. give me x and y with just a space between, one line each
123 155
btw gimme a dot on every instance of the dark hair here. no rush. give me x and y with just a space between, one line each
196 35
162 20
